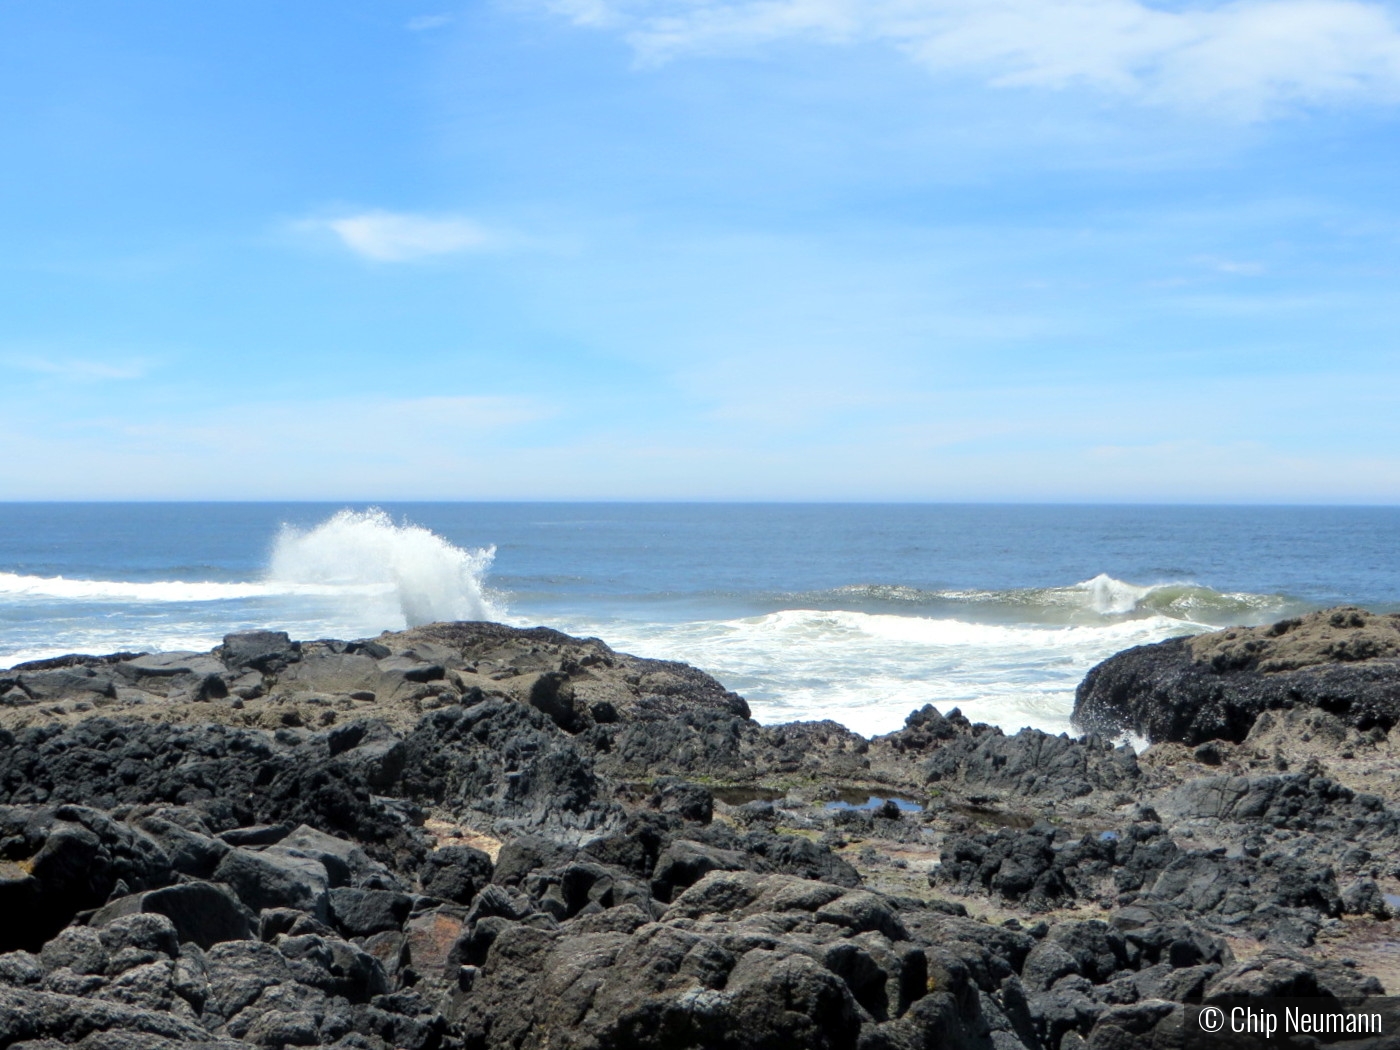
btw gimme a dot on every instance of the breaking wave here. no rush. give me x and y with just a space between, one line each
427 577
1100 600
381 575
869 670
13 585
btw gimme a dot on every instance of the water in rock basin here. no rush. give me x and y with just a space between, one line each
857 613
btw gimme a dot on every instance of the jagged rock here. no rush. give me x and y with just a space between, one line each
511 765
1284 974
193 676
62 859
1032 763
683 863
28 1014
276 880
685 800
1136 1025
200 912
370 748
61 683
455 873
1098 949
1344 661
627 906
269 652
359 913
1365 898
184 836
1298 800
741 960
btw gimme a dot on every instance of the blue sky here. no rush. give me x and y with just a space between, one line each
1095 250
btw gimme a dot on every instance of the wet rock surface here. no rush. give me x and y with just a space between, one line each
472 836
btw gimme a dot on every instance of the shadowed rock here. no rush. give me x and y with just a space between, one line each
1344 661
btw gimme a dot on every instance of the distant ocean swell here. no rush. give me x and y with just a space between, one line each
1098 600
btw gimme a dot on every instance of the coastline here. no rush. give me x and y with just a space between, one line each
498 800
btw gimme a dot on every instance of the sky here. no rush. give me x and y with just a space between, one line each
943 250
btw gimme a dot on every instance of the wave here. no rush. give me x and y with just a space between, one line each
1102 599
873 628
429 578
392 575
869 670
13 585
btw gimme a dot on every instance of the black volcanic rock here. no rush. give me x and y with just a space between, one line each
201 912
1343 661
455 873
297 863
59 860
267 651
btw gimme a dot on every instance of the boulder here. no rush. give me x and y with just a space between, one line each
281 879
184 675
359 913
64 859
70 682
269 652
455 873
200 912
1344 661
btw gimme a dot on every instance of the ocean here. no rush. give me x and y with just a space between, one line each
854 612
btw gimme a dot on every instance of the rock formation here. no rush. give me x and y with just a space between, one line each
1343 661
472 836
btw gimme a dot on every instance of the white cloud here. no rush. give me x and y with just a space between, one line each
387 236
426 22
81 371
400 428
1233 267
381 448
1246 58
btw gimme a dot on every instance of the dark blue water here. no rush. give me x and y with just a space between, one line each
841 610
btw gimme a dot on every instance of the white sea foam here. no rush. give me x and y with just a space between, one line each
1009 657
868 671
382 574
14 586
355 574
423 575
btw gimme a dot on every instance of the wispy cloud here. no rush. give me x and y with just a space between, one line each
385 447
367 425
425 22
387 236
1245 58
79 371
1233 267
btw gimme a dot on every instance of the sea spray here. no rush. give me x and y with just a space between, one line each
860 614
370 557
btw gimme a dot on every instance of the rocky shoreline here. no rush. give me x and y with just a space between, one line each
473 836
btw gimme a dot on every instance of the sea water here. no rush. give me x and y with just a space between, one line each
858 613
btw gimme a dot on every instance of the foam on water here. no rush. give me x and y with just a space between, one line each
1099 600
862 655
423 575
355 574
390 575
16 587
868 671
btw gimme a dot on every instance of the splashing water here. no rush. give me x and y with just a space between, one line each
367 555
